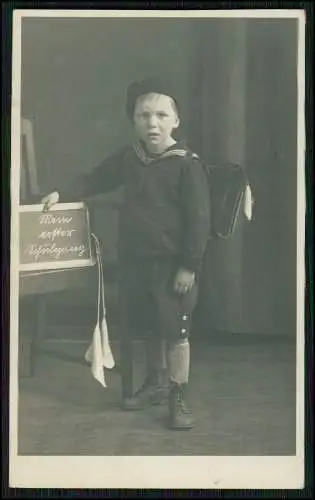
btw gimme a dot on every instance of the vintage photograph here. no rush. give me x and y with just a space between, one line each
157 249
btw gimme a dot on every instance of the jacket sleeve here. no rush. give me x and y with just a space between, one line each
195 202
105 177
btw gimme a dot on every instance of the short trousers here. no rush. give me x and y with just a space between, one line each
148 303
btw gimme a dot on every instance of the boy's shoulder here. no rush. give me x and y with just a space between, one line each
183 152
188 161
180 152
192 159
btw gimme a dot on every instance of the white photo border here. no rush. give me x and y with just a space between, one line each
238 472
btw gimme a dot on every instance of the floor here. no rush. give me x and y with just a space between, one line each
242 392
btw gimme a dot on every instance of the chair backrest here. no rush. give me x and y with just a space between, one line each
28 175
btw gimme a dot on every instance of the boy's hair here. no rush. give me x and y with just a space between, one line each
148 86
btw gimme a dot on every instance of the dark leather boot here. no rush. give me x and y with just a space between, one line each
180 417
153 392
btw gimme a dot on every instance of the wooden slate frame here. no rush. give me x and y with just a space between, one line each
50 265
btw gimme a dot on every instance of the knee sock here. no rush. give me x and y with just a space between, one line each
178 360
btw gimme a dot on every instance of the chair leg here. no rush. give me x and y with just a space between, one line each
127 368
39 336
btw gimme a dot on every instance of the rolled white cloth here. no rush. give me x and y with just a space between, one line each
99 353
248 202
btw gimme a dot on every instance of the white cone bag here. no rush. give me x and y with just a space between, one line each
108 359
99 353
96 359
248 203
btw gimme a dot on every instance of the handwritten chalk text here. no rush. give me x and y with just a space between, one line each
53 219
56 233
55 252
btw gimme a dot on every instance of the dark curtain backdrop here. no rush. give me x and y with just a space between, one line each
248 115
237 84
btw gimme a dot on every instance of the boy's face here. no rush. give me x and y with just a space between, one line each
155 118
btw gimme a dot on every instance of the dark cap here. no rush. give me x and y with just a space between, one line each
149 85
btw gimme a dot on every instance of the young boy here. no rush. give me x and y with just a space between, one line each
164 227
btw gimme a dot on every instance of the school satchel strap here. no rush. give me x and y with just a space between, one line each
227 184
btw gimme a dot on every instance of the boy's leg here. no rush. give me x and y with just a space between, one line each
156 359
157 373
178 364
155 387
178 355
175 313
130 299
135 311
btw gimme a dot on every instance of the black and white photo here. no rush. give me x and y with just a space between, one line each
157 249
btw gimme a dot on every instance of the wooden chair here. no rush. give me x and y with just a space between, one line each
35 289
29 179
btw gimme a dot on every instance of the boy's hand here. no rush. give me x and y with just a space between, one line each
184 281
50 200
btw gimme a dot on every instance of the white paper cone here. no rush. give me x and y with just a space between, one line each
108 359
248 202
96 357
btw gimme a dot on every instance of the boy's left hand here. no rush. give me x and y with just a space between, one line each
184 281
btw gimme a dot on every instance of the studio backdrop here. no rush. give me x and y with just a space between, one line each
237 83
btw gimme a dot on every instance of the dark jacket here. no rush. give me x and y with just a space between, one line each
166 208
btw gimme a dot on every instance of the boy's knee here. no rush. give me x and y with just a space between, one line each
178 343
